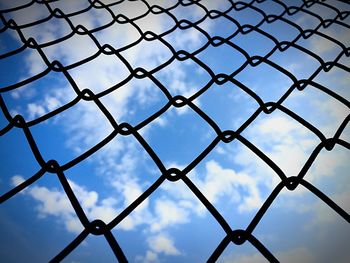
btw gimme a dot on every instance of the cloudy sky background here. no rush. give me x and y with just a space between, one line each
172 225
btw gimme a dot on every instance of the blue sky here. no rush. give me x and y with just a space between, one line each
172 225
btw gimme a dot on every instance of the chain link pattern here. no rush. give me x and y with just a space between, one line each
236 236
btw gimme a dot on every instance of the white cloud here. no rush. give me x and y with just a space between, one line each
88 199
17 180
158 244
328 163
323 215
323 46
183 195
283 140
163 244
220 182
168 213
217 184
290 145
35 110
149 257
33 101
34 63
280 126
28 15
53 202
300 254
52 103
256 258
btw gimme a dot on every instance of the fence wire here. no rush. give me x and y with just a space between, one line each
236 236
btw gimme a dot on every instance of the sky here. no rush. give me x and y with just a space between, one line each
172 225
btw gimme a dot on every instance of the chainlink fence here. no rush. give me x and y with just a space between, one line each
289 9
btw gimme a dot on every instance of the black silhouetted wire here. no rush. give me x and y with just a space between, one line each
236 236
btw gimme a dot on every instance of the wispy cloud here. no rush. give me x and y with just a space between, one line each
296 255
163 244
226 183
160 244
54 202
169 213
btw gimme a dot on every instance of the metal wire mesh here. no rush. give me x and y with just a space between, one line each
236 236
